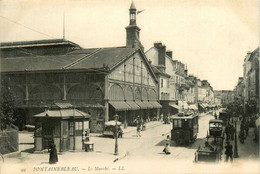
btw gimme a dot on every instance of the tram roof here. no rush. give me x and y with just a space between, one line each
215 121
176 116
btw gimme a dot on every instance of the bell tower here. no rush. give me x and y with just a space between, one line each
132 30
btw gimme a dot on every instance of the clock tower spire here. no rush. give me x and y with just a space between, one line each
132 30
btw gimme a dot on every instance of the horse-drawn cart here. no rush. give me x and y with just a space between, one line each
212 150
206 154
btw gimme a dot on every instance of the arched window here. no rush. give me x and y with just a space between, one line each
116 93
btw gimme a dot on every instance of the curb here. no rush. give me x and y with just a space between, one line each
149 127
119 158
13 155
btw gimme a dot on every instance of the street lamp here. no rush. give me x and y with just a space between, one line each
235 148
116 135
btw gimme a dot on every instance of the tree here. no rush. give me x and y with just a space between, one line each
6 106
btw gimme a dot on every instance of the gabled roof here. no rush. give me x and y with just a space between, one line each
36 43
106 59
157 71
78 59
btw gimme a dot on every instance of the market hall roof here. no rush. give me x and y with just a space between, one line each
78 59
36 43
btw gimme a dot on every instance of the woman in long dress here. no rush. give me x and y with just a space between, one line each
53 154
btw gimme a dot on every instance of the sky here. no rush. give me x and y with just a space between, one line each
211 36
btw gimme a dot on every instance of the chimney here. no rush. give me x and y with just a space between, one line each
186 72
161 53
169 53
157 44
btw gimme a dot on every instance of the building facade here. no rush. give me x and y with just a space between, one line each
99 81
251 82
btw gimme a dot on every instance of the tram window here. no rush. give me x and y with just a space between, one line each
215 125
195 121
190 123
177 123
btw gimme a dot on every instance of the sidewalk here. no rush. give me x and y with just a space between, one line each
250 149
26 144
247 151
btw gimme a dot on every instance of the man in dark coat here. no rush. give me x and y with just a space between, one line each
229 152
53 154
227 131
247 128
138 126
232 132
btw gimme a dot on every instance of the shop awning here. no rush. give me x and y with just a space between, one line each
194 107
133 105
155 104
174 106
148 104
201 105
183 104
120 105
141 104
205 105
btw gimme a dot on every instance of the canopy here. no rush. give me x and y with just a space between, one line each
202 105
120 105
194 107
206 105
155 104
141 104
112 123
148 105
183 104
63 113
174 106
133 105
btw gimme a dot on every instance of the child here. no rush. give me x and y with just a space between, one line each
166 150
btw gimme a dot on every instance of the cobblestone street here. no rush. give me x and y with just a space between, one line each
143 152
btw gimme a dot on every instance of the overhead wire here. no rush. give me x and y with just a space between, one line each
26 27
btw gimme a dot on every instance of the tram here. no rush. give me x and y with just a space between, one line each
223 115
184 127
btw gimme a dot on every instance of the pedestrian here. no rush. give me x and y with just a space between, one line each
247 128
138 126
215 115
53 154
256 134
227 131
167 140
166 149
229 152
232 132
242 136
143 125
161 117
